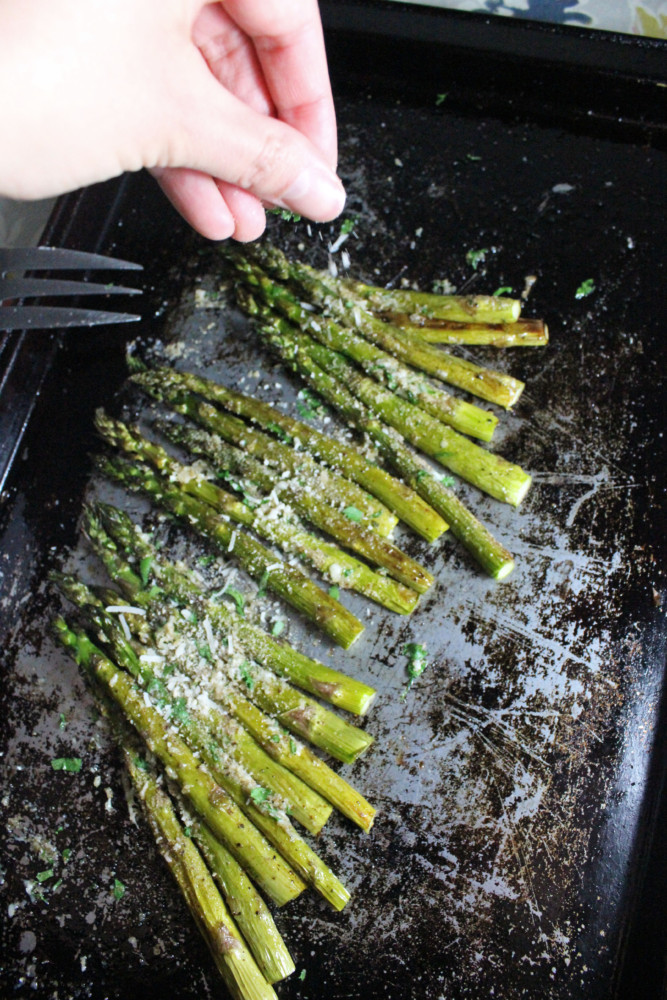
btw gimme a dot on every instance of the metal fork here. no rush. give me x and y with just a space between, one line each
15 260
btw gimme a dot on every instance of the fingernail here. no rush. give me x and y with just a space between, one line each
315 193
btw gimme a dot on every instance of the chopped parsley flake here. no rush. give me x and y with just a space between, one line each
348 225
204 651
44 876
353 514
238 598
586 287
279 432
285 214
66 855
422 474
476 257
417 662
440 99
503 290
334 592
207 560
260 795
472 157
277 627
187 831
292 746
145 568
63 721
246 675
179 710
67 764
302 975
308 405
118 890
448 481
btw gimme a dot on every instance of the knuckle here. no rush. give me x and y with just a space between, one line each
262 175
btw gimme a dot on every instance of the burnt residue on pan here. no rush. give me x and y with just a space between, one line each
511 778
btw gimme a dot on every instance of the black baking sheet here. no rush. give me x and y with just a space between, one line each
518 784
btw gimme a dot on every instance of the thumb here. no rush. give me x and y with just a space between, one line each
222 136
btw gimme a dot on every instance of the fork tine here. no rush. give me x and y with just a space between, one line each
52 317
16 288
58 258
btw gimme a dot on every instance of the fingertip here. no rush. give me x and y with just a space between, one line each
316 193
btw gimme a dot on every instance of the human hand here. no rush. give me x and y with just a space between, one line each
228 104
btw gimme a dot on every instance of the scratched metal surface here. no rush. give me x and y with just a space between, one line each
513 780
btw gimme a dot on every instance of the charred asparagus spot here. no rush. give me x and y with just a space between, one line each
523 333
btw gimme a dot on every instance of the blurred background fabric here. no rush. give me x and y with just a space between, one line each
632 17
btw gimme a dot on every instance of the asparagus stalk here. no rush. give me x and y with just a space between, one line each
306 503
458 308
341 493
399 378
181 584
246 906
489 472
523 333
298 713
238 968
261 564
282 530
266 817
267 869
213 735
404 501
490 554
493 386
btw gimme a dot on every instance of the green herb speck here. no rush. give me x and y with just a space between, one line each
476 257
302 975
246 676
586 288
417 662
239 600
66 855
353 514
67 764
503 290
63 721
334 591
277 627
440 99
260 795
43 876
145 568
118 890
